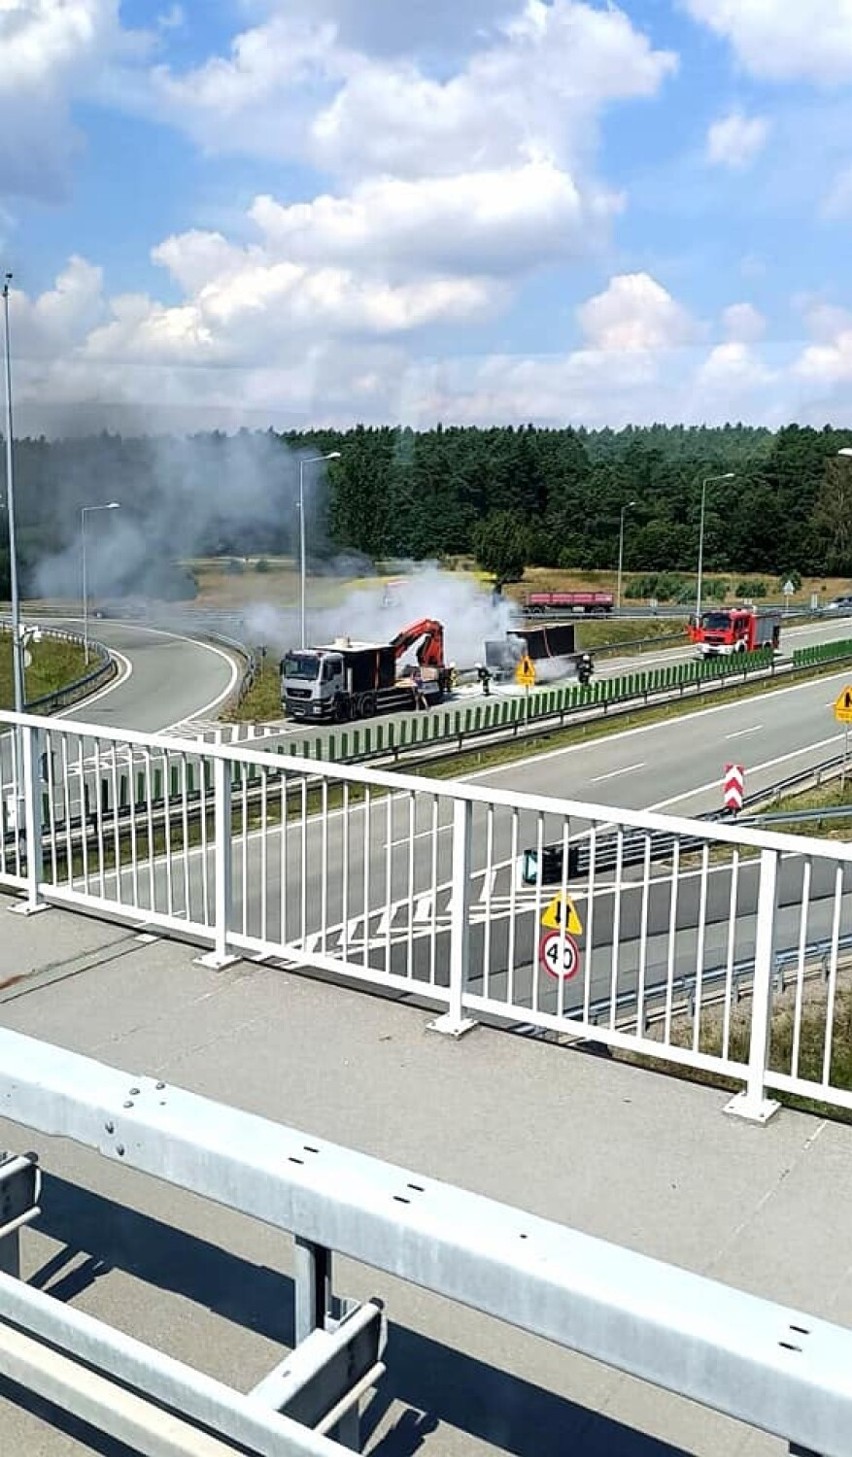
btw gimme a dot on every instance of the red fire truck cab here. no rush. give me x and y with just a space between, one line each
727 630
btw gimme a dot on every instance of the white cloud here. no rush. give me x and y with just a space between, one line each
829 363
387 27
299 82
245 350
743 323
735 140
824 321
536 92
53 52
784 40
489 222
635 313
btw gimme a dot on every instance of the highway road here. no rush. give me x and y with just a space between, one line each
372 886
164 678
795 637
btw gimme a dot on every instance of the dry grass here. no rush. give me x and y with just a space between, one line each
226 590
549 579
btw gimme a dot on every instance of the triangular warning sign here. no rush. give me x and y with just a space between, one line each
561 915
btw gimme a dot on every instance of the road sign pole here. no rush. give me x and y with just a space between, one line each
845 758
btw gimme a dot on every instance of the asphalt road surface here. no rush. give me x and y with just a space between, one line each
164 678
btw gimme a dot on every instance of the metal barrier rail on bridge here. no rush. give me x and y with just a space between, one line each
767 1365
415 886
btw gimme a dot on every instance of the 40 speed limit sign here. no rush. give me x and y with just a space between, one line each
559 955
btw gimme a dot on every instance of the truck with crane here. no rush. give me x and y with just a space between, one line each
347 680
723 631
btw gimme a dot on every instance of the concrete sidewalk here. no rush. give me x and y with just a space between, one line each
646 1161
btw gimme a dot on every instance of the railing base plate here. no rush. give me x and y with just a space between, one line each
450 1027
214 962
752 1110
25 908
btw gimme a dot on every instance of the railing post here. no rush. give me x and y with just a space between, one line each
753 1103
28 803
223 848
453 1021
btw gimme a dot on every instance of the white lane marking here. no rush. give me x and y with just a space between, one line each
176 637
421 834
751 769
614 773
741 733
120 678
489 880
647 728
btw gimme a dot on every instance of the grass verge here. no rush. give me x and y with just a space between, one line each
54 665
811 1053
262 703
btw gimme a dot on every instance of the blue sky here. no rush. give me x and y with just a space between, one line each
270 212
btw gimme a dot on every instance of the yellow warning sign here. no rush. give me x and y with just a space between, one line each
525 672
561 915
843 706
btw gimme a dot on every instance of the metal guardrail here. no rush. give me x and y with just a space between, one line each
445 731
629 849
722 1347
81 687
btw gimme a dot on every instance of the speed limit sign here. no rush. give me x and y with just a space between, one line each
559 955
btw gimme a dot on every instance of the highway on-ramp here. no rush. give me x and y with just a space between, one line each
164 679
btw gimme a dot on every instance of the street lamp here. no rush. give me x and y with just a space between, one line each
708 481
84 512
17 640
309 460
624 509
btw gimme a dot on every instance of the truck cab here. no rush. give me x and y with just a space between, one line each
312 683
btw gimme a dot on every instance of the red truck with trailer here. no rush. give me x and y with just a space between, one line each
592 604
723 631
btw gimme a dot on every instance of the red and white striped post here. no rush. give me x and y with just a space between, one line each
734 787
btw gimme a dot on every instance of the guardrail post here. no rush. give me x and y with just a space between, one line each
313 1288
28 808
223 846
453 1021
753 1103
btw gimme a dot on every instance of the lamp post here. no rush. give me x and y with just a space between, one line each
624 510
309 460
84 512
708 481
17 640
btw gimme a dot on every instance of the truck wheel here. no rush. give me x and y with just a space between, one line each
341 711
368 705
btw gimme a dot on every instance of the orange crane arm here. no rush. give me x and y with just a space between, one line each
431 651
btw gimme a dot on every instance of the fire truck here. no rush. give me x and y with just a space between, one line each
345 679
724 631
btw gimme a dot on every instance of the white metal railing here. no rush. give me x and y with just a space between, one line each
718 947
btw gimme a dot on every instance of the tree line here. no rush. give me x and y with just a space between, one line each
545 497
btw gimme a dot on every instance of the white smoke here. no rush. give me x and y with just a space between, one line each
178 498
470 613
